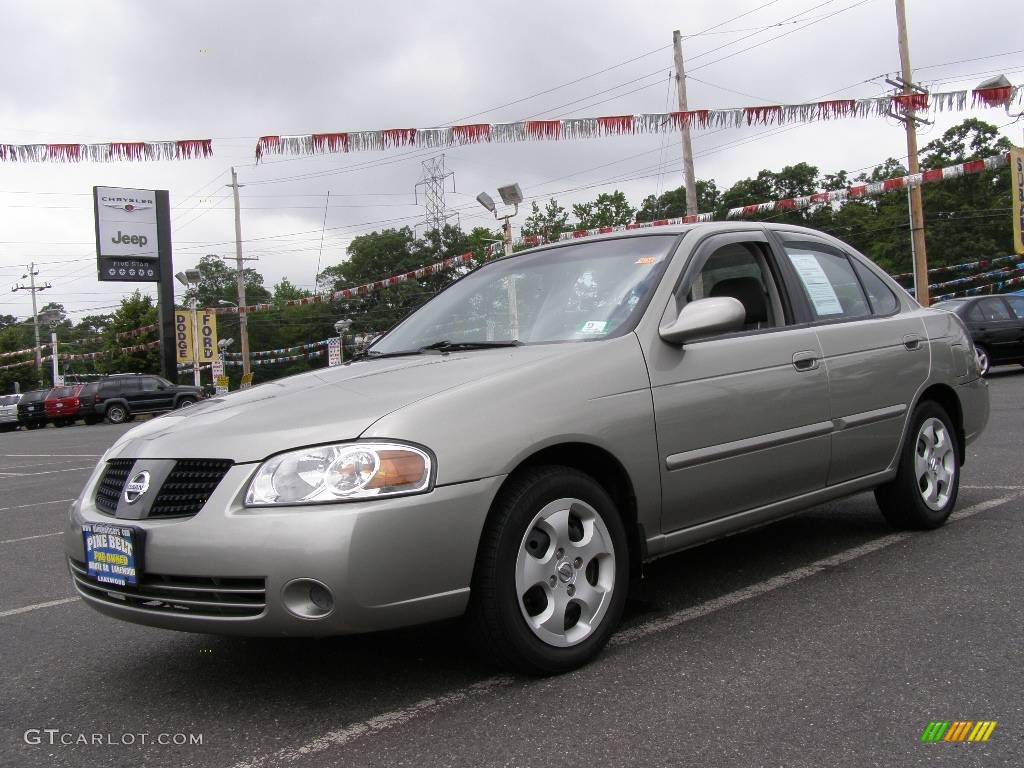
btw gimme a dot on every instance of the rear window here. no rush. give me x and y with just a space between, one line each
90 389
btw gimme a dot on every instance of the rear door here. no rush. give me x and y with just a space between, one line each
742 417
876 355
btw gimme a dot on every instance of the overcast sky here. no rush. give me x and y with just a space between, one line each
233 70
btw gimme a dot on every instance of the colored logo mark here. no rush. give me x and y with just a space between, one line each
958 730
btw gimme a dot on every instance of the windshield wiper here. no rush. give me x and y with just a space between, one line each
438 346
460 346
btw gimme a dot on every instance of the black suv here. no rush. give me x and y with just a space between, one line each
120 397
996 324
31 413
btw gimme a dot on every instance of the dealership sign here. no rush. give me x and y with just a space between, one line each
127 245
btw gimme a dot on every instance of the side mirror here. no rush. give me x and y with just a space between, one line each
719 314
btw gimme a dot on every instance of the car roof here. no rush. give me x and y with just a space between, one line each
708 227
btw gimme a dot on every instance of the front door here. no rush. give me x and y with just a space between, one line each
742 417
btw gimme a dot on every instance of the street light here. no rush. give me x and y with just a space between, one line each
512 195
340 326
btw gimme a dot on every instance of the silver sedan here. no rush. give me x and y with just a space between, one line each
520 446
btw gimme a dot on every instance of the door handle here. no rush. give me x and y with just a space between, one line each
912 341
805 361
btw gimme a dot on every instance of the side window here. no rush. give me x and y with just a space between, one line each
741 271
883 301
828 281
993 309
975 315
130 386
1016 305
149 384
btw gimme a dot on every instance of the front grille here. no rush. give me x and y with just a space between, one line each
112 483
183 595
188 487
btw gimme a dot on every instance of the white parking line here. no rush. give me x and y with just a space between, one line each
37 606
44 472
36 504
397 717
29 538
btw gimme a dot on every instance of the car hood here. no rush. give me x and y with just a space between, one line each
316 407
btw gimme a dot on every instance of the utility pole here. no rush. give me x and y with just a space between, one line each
243 319
689 180
910 121
32 272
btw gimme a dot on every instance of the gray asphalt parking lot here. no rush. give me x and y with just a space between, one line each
826 638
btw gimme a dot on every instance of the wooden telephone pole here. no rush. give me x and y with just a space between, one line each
689 180
243 318
916 209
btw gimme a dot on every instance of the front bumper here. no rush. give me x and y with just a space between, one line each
387 562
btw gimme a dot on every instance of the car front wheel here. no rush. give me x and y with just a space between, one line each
117 414
924 491
552 572
185 402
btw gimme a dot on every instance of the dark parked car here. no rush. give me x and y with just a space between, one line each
120 397
996 324
61 405
31 411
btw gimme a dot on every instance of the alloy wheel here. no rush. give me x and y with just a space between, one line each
565 572
935 463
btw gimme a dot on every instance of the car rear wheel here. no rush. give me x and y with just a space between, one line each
981 355
552 572
924 491
117 414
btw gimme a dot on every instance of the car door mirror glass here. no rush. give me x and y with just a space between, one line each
719 314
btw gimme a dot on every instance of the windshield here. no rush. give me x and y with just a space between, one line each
577 292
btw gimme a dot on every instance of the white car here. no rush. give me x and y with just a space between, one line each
9 412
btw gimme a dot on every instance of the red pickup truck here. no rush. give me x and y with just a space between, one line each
61 405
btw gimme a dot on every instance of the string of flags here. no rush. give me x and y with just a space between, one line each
645 123
1004 271
961 267
348 293
284 351
107 152
997 286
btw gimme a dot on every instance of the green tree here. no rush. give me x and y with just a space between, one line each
608 210
552 221
672 204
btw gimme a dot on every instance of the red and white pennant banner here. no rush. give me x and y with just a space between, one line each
795 203
183 149
648 123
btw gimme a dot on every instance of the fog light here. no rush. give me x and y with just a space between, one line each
308 598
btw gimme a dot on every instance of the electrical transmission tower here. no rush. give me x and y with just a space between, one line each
433 182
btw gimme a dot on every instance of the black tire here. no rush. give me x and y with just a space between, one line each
185 402
59 423
117 414
496 610
92 420
984 361
902 500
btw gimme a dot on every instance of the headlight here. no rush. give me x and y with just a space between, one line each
342 472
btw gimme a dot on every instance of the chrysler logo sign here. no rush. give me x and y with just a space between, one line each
136 488
127 204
